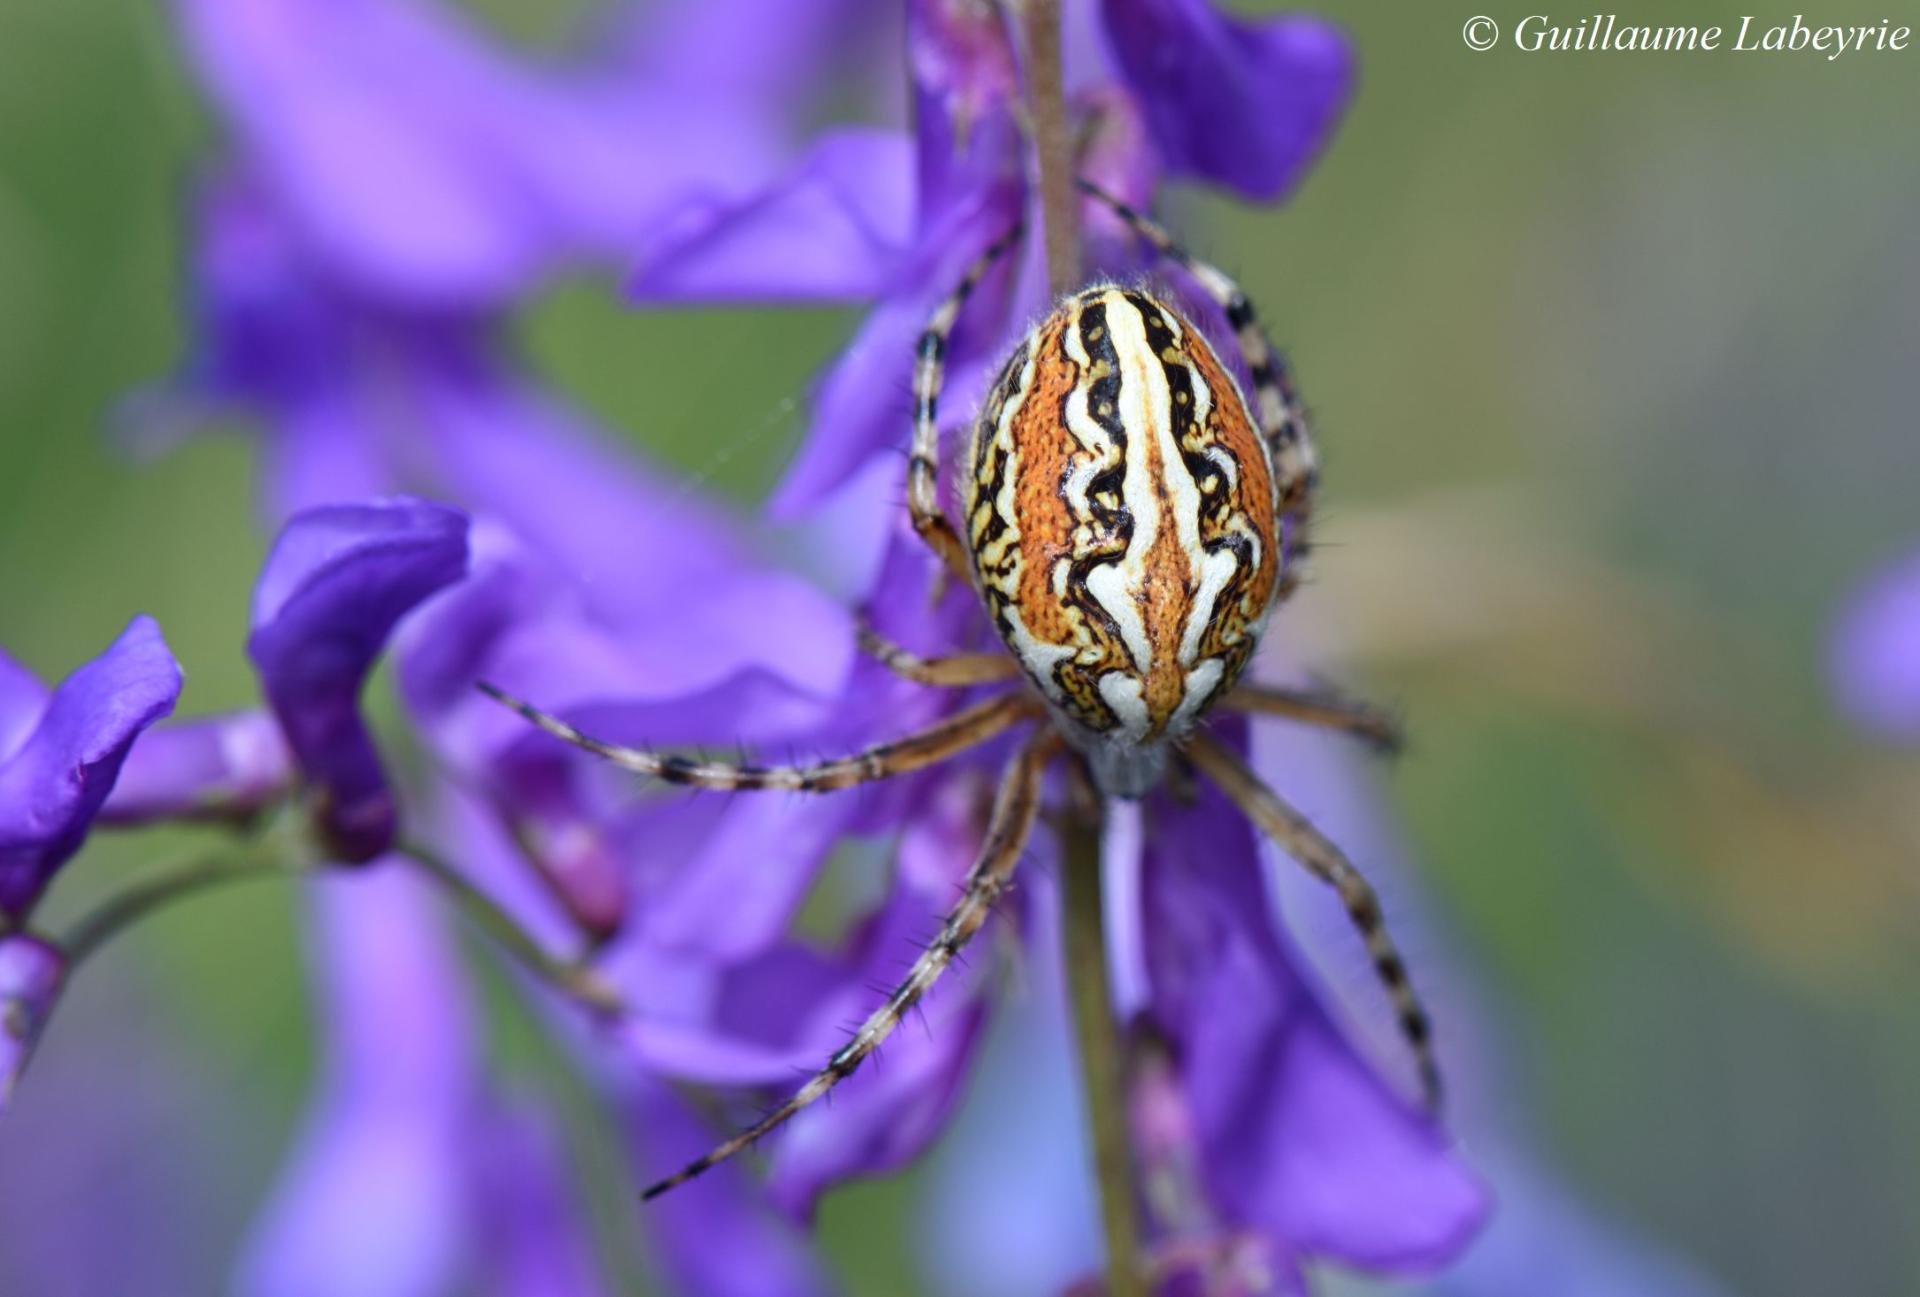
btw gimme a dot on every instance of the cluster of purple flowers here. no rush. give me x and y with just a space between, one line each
395 184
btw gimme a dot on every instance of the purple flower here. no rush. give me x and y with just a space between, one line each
355 260
1294 1136
338 580
1247 104
1876 652
31 974
406 1151
210 768
60 753
423 162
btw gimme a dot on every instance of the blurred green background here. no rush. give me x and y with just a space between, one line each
1612 360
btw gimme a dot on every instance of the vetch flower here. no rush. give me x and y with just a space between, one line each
221 768
61 752
337 581
1243 103
411 1176
1295 1137
333 311
424 162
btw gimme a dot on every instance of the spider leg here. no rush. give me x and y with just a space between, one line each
929 373
943 738
1299 839
1282 418
1015 806
954 669
1321 707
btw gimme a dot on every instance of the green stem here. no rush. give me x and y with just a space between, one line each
1052 142
567 976
1102 1071
1102 1066
127 907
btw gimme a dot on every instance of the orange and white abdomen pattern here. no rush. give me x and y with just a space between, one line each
1120 512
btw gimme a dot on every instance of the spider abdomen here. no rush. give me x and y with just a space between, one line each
1120 512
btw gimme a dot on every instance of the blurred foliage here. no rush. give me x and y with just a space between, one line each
1611 359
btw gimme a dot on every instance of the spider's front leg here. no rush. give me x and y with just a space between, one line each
944 738
1015 806
1283 420
929 374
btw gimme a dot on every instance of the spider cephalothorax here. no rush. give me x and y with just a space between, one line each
1122 520
1129 520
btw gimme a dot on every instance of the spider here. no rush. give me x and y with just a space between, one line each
1130 522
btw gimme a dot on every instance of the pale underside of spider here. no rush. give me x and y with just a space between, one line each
1129 522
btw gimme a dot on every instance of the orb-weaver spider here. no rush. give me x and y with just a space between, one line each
1130 523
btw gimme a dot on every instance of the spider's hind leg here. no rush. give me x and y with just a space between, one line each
1324 708
1292 832
1015 806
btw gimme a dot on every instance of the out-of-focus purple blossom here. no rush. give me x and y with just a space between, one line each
1244 103
1876 652
405 1151
31 973
209 768
337 581
426 163
60 753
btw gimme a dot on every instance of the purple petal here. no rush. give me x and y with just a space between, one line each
218 768
966 91
380 1159
422 161
1118 156
31 973
531 1225
1876 652
832 228
337 581
864 403
54 783
1015 1170
22 699
1243 103
1301 1139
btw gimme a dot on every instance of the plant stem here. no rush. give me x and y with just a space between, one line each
1102 1073
1102 1069
570 978
136 902
1052 142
